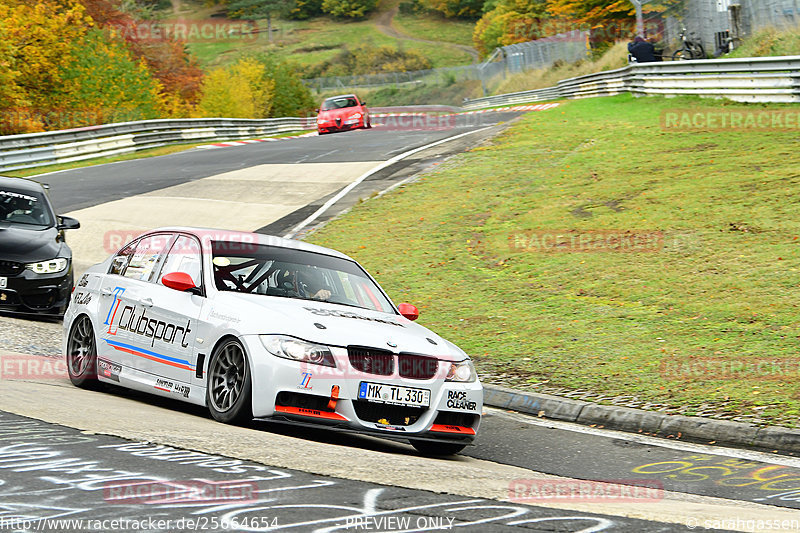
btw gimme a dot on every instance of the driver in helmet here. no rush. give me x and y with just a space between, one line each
310 284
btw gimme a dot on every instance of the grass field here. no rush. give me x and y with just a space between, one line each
693 320
314 41
436 28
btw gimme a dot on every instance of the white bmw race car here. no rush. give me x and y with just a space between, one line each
254 326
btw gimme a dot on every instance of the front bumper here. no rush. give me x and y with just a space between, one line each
331 127
320 395
28 292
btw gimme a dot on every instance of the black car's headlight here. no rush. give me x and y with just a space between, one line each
298 350
463 371
52 266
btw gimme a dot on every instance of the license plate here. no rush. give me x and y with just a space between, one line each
378 392
3 283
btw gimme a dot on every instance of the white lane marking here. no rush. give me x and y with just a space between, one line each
652 441
327 205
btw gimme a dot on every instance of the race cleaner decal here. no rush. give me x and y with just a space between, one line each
349 314
109 370
170 386
458 400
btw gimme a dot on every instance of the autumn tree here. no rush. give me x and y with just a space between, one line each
349 8
241 90
290 97
259 9
455 8
104 83
512 21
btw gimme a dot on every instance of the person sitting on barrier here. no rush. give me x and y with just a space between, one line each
642 51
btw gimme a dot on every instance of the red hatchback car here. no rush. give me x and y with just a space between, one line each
341 113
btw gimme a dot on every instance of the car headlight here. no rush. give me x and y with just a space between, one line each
48 267
322 120
463 371
298 350
355 115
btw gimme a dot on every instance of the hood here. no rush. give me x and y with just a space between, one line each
18 243
343 325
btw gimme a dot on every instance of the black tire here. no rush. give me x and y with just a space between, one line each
369 124
434 449
82 354
228 395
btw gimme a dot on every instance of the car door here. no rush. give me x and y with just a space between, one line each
174 316
125 305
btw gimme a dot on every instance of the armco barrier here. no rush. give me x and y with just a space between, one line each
762 79
40 149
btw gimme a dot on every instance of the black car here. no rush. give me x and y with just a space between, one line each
35 261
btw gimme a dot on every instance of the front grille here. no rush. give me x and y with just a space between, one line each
307 401
417 366
371 360
393 415
10 268
450 418
8 299
40 300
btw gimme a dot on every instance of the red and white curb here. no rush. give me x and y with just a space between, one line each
254 141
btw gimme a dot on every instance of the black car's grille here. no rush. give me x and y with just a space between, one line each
417 366
371 360
394 415
40 299
10 268
8 299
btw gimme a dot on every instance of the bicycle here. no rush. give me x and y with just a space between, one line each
689 49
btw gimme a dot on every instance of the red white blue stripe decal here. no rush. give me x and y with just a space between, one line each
153 356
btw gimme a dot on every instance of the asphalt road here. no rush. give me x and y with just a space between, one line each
84 187
55 478
699 472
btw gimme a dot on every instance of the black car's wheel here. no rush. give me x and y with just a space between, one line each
82 354
427 447
228 395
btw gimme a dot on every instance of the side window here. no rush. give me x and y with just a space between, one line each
146 256
120 260
185 257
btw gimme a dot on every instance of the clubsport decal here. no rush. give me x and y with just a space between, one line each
153 356
137 322
350 314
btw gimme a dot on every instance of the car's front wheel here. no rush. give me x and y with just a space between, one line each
82 353
432 448
229 384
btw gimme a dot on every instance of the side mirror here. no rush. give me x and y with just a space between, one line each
409 311
363 102
68 223
180 281
316 111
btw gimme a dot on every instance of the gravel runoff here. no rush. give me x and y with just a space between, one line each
30 336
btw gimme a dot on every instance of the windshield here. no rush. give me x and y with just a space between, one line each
339 103
287 273
24 208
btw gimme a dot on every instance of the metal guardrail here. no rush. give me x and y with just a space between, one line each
763 79
39 149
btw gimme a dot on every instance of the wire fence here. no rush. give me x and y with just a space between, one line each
568 47
712 22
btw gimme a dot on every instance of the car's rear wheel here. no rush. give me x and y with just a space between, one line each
229 385
82 354
427 447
